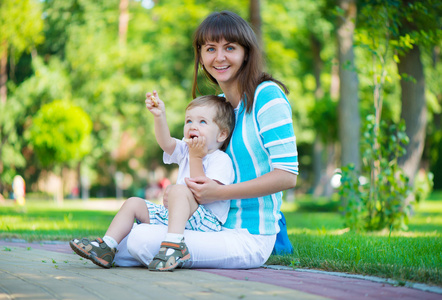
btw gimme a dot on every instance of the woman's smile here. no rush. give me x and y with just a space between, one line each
221 68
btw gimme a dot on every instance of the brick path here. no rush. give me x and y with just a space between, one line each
53 271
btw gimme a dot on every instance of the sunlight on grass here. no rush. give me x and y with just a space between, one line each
429 207
43 220
321 241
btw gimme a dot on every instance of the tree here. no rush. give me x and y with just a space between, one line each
349 118
324 113
123 22
255 19
15 115
10 143
384 201
20 30
82 61
419 28
414 109
59 135
379 202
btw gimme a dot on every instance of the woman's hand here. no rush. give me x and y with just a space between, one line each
204 189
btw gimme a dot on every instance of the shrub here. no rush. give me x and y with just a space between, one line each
382 201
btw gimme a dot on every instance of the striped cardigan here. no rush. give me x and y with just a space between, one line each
263 140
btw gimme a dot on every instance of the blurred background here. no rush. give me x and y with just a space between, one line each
74 73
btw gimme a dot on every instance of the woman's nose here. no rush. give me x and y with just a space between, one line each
220 56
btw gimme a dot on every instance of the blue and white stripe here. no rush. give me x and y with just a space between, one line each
263 140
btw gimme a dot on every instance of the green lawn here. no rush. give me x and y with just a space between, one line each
44 220
315 229
321 242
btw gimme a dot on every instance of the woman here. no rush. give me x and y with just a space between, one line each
262 148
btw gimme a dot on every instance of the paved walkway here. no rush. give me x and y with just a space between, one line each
53 271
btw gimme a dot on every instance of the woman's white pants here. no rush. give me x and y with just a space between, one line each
227 249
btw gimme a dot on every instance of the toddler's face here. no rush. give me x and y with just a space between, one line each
199 122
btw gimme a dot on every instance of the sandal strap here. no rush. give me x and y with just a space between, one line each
176 246
84 242
161 256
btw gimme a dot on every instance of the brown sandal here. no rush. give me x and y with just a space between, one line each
164 262
101 255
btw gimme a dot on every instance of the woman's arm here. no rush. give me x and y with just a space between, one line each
206 190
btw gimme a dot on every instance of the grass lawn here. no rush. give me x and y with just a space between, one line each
45 220
321 242
315 229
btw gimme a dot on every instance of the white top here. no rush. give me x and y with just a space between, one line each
216 165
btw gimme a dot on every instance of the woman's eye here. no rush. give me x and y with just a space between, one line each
230 48
210 49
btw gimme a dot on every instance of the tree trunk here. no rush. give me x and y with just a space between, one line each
79 178
334 84
123 22
3 93
414 110
318 146
255 19
59 193
3 71
349 118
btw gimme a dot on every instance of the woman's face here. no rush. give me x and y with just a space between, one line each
222 60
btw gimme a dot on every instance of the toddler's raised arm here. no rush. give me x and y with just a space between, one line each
162 132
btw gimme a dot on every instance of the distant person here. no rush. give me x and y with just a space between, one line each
209 122
164 183
19 190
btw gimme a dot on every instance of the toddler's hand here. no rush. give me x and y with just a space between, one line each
197 147
154 104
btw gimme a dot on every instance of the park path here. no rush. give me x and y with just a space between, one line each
53 271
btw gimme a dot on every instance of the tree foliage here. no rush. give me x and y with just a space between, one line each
20 25
60 133
20 30
383 201
81 61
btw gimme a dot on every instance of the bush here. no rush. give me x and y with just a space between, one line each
381 202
